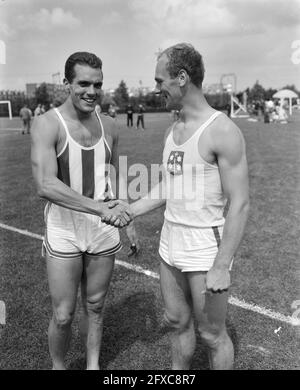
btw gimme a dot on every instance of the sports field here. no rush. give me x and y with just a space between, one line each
265 276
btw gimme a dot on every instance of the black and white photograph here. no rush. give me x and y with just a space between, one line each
149 187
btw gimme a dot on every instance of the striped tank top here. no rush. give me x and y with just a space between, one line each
194 195
85 169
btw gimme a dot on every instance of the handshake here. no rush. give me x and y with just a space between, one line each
119 214
116 213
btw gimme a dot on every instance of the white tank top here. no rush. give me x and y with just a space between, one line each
85 169
193 187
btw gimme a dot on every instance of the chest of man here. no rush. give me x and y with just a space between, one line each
183 134
86 134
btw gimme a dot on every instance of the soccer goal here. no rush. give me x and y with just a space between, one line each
9 107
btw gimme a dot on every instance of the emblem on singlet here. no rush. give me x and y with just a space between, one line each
175 163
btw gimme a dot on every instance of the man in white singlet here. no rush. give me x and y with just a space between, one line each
74 148
204 164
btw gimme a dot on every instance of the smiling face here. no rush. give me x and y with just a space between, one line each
167 87
85 87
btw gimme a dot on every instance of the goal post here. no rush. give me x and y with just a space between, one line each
235 112
9 107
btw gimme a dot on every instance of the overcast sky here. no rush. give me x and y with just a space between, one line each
251 38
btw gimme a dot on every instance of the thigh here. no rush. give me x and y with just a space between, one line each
97 273
210 308
64 276
175 290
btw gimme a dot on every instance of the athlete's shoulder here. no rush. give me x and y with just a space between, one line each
225 134
106 120
222 125
46 125
109 125
224 129
48 118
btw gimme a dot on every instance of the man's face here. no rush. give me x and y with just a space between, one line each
85 88
168 88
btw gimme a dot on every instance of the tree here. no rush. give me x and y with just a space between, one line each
106 101
121 95
42 95
257 92
269 93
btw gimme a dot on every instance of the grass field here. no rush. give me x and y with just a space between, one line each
265 273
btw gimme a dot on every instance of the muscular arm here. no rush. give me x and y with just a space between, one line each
44 135
153 200
229 147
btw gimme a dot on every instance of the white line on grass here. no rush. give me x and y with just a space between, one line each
21 231
2 313
232 300
11 129
9 134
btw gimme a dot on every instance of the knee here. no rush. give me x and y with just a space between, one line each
212 336
177 321
95 303
62 317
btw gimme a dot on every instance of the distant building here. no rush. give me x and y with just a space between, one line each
9 95
55 91
30 89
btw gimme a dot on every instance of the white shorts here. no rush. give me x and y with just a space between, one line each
69 234
189 249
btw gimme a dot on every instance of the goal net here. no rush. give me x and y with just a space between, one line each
9 107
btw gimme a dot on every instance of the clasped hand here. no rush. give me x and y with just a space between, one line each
116 213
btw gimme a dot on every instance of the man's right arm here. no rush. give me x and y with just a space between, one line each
153 200
44 136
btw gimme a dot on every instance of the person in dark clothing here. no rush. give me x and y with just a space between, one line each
129 111
228 109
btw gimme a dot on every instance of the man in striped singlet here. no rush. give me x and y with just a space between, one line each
74 150
204 165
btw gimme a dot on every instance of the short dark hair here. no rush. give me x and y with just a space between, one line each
82 58
185 56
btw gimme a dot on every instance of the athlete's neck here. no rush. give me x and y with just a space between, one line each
194 105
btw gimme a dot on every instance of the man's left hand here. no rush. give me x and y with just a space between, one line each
218 280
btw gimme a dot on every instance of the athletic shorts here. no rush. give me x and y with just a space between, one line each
189 249
70 234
